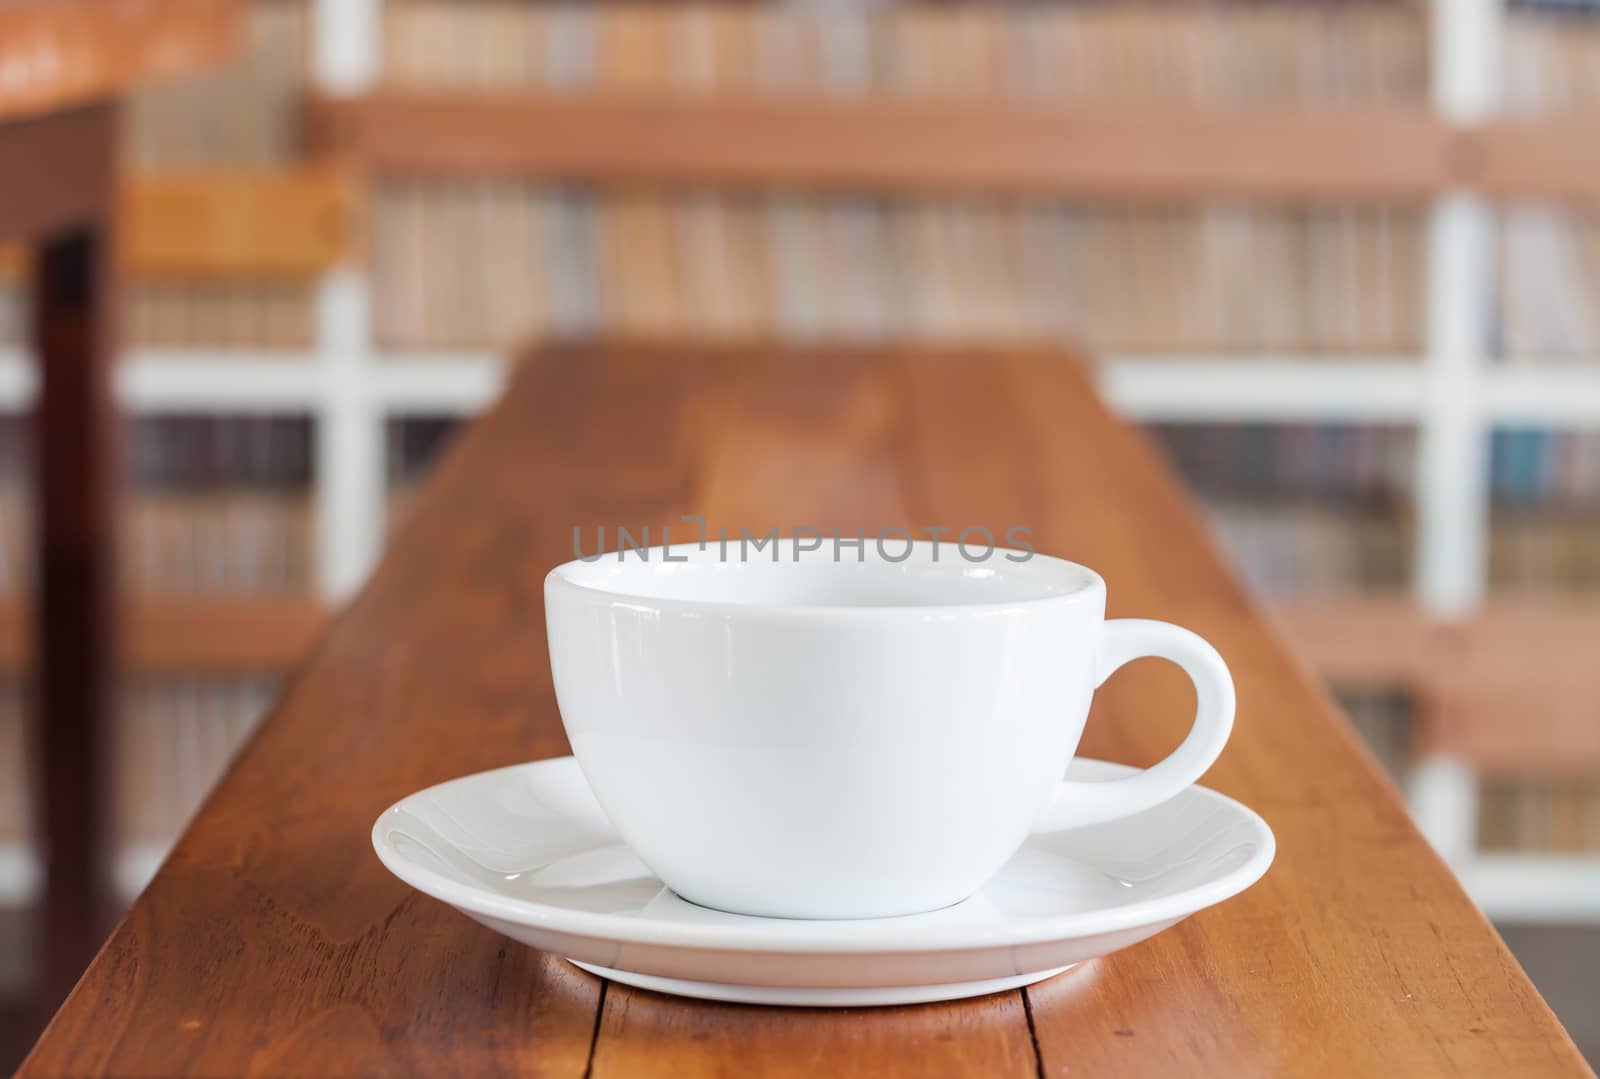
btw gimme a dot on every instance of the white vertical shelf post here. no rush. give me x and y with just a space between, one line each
1452 467
346 44
345 59
349 453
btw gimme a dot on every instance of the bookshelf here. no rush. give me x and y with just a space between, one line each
384 127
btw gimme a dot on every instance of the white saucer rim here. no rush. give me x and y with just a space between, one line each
848 936
882 996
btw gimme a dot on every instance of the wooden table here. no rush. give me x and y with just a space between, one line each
273 941
63 64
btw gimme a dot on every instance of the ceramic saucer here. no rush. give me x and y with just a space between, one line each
528 852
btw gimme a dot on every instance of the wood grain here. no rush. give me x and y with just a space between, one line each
273 941
238 222
245 223
58 54
895 143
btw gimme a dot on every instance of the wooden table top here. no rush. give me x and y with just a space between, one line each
55 54
273 941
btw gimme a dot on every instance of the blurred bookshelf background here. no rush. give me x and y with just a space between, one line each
1387 401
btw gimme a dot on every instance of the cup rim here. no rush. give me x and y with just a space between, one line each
561 578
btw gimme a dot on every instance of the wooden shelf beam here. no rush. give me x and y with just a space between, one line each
1355 640
899 144
1548 157
229 222
55 55
911 145
239 222
1513 687
300 221
191 636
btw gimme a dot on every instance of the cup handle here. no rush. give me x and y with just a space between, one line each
1077 803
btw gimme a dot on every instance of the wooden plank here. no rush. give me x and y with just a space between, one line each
1517 687
1508 687
273 940
1546 157
193 636
785 448
220 635
246 223
39 200
1363 640
901 144
62 53
253 223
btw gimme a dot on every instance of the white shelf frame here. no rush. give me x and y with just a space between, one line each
1453 394
1243 389
1198 388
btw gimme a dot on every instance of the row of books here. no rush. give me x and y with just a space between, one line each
1158 296
1523 813
1549 287
219 505
1307 549
1544 552
214 504
222 505
1531 466
412 444
1136 51
249 111
1557 814
193 452
215 315
173 739
246 112
1326 508
1550 62
1299 548
474 264
227 543
1185 279
220 314
1280 461
486 264
1385 718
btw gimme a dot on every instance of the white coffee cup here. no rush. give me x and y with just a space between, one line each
803 734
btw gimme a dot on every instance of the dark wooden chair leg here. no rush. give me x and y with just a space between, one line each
75 433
